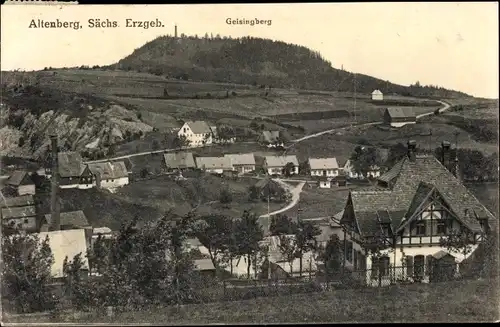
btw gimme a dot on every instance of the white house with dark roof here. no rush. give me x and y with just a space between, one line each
325 167
198 133
73 173
109 175
416 204
274 165
216 165
242 162
377 95
20 181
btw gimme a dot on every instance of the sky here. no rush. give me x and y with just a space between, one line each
454 45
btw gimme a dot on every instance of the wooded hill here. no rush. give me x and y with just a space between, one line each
257 61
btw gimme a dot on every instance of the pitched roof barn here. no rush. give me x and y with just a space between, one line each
323 163
70 164
241 159
199 127
280 161
178 160
401 112
213 163
109 170
19 177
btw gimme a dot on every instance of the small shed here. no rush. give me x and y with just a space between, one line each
377 95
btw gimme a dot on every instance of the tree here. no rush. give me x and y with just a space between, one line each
26 272
305 236
396 152
248 234
21 142
144 172
282 225
215 232
253 193
139 115
180 142
75 288
288 249
332 255
364 159
111 150
225 196
98 255
289 169
458 241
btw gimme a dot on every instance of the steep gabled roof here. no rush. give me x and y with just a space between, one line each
109 170
323 163
18 201
281 161
71 218
19 177
401 112
412 182
70 164
241 159
199 127
179 160
376 92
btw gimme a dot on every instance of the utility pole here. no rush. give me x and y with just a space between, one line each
354 97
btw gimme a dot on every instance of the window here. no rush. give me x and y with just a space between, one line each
348 251
355 260
441 227
26 221
409 265
419 228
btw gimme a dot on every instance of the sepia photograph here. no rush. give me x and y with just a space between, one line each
249 163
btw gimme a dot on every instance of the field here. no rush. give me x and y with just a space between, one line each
200 190
461 301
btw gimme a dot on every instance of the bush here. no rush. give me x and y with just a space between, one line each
225 197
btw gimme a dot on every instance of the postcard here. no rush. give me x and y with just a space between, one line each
249 163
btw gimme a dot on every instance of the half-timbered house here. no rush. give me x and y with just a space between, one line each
415 205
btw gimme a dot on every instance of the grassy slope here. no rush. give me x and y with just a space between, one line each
468 301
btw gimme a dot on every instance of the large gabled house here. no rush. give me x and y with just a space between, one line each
73 173
416 204
109 175
198 133
241 162
275 165
215 165
323 167
179 161
21 183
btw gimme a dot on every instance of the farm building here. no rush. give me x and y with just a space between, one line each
399 116
216 165
326 167
72 172
198 132
21 183
271 139
416 204
274 165
377 95
324 182
19 213
179 160
350 172
242 163
109 175
270 189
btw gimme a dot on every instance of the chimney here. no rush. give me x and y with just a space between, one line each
55 223
412 147
457 168
175 31
445 153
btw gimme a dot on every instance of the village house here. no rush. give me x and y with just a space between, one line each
324 182
72 172
198 133
377 95
19 213
215 165
109 175
275 165
271 190
20 183
399 116
179 161
66 244
242 163
325 167
271 139
416 204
